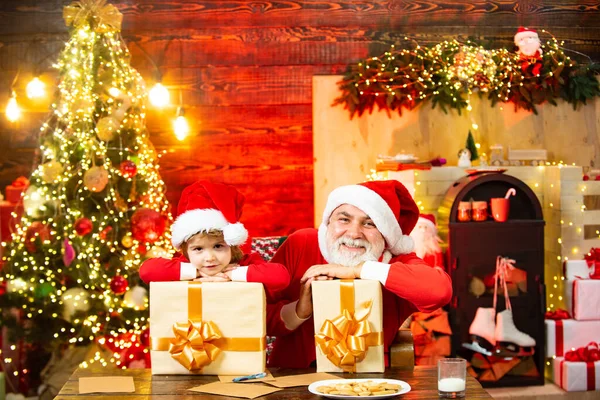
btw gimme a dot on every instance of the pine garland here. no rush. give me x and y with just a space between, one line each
448 73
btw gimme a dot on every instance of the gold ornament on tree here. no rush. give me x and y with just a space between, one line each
103 17
95 179
127 240
50 171
106 128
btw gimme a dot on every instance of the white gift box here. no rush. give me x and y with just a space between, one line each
576 269
330 299
238 312
582 297
566 334
575 376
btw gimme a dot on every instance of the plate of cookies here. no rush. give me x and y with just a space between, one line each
359 388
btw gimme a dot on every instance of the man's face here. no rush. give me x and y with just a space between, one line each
352 237
529 44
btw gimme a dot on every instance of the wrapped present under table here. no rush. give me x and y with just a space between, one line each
348 318
207 328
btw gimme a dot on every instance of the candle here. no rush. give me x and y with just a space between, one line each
451 385
2 387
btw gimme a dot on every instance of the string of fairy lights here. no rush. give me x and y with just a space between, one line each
98 98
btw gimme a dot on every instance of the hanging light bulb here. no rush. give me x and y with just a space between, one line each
181 126
13 112
159 95
36 88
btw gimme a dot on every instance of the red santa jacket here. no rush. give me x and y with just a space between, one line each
274 277
411 285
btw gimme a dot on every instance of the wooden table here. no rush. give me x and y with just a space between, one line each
423 381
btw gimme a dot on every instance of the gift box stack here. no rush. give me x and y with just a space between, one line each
431 334
11 207
572 334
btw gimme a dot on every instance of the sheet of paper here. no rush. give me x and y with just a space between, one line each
106 384
235 389
300 380
229 378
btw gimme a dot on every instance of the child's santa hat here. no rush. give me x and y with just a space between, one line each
523 32
206 206
389 205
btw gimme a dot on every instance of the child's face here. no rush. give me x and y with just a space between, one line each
208 254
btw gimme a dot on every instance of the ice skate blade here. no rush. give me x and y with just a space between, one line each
506 349
476 347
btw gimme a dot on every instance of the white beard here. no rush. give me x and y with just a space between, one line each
426 240
338 255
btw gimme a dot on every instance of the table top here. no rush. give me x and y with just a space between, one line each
423 381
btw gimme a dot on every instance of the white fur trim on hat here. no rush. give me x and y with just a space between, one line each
372 204
203 220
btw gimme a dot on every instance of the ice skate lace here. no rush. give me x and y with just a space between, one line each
503 265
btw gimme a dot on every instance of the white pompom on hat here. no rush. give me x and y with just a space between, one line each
206 206
389 205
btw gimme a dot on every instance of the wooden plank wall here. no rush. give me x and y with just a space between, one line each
245 69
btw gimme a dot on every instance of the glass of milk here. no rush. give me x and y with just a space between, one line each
452 374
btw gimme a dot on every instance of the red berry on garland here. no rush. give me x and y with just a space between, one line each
83 226
128 169
147 225
106 232
119 285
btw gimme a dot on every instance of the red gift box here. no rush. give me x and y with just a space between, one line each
15 189
8 222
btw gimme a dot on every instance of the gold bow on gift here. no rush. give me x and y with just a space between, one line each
106 17
346 339
191 346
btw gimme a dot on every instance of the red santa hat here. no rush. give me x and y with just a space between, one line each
206 206
387 203
429 220
523 32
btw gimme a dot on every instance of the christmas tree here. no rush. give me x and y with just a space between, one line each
95 207
472 147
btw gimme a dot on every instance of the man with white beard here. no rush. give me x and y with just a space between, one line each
364 234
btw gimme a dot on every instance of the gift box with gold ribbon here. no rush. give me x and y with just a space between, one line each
210 328
348 318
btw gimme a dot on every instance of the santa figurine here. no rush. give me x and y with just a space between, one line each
529 50
427 241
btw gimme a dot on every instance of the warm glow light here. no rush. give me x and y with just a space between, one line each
159 95
181 127
36 89
13 112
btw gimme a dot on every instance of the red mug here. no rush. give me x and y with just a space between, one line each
500 208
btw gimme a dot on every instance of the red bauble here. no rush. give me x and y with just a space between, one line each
36 229
119 285
147 225
106 233
145 337
128 169
83 226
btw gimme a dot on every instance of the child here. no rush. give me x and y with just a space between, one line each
209 236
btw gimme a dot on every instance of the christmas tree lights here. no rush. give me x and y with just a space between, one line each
96 205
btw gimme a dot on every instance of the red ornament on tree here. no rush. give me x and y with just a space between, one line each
145 337
106 232
119 285
36 229
128 169
83 226
147 225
